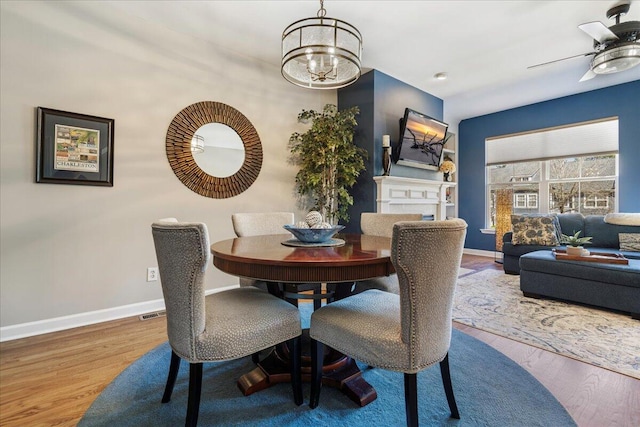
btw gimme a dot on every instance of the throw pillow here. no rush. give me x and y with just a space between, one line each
629 242
622 218
535 229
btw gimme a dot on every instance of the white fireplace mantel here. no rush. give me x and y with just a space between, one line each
411 195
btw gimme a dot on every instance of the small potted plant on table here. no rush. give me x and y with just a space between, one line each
574 244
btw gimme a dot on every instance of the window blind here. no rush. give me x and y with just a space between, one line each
590 138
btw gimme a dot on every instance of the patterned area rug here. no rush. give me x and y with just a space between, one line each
464 271
492 301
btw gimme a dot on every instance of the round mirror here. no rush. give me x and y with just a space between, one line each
232 167
217 149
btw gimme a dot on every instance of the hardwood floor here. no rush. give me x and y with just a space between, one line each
51 380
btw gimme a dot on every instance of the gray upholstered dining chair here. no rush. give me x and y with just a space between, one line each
408 332
259 224
381 224
263 223
222 326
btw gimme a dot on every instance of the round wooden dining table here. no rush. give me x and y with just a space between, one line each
271 259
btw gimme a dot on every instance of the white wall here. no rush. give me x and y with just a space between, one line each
70 249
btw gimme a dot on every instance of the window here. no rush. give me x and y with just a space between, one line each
525 191
576 184
525 200
596 203
571 169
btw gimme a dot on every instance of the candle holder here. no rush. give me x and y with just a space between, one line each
386 160
386 155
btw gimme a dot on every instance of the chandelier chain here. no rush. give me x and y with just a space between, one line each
322 12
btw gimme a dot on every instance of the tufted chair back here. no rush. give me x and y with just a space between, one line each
426 256
260 223
381 224
182 250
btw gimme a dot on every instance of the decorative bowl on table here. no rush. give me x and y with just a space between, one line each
313 235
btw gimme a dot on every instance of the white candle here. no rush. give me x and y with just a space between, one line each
385 141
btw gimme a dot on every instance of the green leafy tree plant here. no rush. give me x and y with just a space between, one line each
329 161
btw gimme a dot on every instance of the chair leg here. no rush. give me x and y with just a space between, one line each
317 303
317 356
411 399
195 386
174 367
448 388
296 369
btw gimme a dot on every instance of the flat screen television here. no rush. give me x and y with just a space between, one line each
422 140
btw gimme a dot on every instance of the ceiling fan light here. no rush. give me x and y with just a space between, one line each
616 59
321 52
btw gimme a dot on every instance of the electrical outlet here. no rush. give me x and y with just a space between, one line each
152 274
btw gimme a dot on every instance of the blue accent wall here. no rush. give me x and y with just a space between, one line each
382 100
622 101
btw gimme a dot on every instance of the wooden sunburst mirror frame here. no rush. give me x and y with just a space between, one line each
178 143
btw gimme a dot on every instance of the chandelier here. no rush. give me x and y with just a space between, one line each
321 52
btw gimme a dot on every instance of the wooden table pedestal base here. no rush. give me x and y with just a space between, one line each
339 371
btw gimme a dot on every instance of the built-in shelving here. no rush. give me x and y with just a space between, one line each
450 150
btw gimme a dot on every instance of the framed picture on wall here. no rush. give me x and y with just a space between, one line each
74 148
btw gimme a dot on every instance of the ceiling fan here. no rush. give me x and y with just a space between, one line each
615 49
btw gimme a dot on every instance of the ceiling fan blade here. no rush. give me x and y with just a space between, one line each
598 31
558 60
588 76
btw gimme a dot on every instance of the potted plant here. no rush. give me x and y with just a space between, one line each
574 244
329 161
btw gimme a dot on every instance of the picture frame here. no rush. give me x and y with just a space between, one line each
73 148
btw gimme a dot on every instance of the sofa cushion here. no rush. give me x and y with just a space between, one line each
629 242
518 250
570 223
618 274
605 235
535 229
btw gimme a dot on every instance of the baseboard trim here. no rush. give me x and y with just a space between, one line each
29 329
479 252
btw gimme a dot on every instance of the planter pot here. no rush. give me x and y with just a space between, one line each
577 251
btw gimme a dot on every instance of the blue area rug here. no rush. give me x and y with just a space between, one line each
490 389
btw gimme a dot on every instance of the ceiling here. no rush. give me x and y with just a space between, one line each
485 47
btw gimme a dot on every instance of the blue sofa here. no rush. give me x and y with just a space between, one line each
605 238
